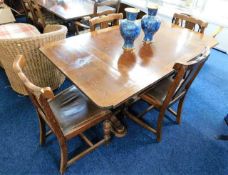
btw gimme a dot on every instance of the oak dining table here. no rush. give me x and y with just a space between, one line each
96 63
71 9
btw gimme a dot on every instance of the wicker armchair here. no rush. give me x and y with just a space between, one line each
39 69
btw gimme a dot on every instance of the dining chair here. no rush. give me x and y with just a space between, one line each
217 31
67 114
102 22
84 22
189 22
26 6
169 91
41 19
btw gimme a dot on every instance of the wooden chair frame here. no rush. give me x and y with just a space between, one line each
40 98
115 4
104 21
185 74
189 22
217 31
39 20
26 6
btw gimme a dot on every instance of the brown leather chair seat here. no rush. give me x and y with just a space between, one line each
73 109
159 92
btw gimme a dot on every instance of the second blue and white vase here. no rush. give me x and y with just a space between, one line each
150 23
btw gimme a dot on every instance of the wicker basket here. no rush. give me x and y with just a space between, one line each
38 68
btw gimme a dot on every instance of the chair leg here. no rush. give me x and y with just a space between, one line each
76 29
179 110
42 130
107 130
64 157
159 124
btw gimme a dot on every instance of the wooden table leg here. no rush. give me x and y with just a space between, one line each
118 129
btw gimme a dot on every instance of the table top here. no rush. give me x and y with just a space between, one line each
71 9
96 64
17 30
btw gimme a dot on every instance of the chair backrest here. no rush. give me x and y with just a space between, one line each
104 21
39 20
112 3
189 22
39 97
218 30
185 73
26 6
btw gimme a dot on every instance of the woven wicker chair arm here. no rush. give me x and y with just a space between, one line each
53 28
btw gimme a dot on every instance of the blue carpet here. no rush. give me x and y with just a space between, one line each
190 148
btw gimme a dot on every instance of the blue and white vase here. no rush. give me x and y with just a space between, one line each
150 23
130 28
